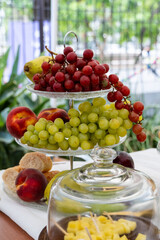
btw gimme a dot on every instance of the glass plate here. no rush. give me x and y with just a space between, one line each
68 152
68 95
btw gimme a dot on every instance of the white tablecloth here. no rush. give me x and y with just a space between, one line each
32 220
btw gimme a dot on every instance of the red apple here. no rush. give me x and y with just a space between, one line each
18 119
53 113
30 185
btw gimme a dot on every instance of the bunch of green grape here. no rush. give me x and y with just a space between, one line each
95 123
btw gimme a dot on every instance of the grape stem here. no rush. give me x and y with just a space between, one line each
51 52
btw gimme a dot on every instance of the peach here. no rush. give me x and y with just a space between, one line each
30 185
18 119
53 113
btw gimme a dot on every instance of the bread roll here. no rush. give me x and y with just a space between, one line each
9 177
36 160
50 175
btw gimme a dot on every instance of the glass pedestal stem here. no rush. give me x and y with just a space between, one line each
71 158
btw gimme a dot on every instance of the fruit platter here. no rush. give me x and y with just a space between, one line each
103 200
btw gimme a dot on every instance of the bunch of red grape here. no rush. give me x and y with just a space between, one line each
72 74
119 95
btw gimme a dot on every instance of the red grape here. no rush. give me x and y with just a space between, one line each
78 87
127 106
105 83
67 50
60 58
36 78
138 107
118 96
80 63
76 76
106 67
113 78
94 79
137 128
134 117
71 57
141 137
119 104
55 68
37 86
52 81
71 68
47 77
96 88
49 89
111 96
92 63
58 87
125 90
69 84
118 85
87 70
45 66
88 54
60 77
85 81
43 83
99 70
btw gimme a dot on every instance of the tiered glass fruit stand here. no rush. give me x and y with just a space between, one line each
100 187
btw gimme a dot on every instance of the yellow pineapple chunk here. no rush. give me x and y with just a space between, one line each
69 236
116 237
132 225
141 237
123 238
72 227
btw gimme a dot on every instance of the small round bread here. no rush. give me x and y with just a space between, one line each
9 177
50 175
36 160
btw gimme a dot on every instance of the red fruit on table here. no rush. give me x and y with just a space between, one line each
80 63
87 70
85 81
113 79
124 159
55 68
58 87
88 54
94 79
60 77
30 185
99 70
18 120
69 84
60 58
71 57
92 63
71 68
45 66
67 50
76 76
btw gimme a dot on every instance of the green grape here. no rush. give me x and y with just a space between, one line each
123 113
112 106
53 129
83 128
121 131
50 123
29 144
106 114
120 120
42 143
99 101
85 107
34 139
83 137
30 128
75 131
114 123
93 117
95 109
64 145
93 139
92 127
39 126
103 123
59 123
99 133
104 108
114 113
112 131
102 143
51 139
36 145
27 135
58 137
110 139
43 135
74 121
23 140
85 145
67 125
73 141
127 124
35 132
52 146
84 118
117 138
73 113
67 132
43 120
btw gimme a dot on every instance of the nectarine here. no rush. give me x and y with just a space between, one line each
18 119
53 113
30 185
